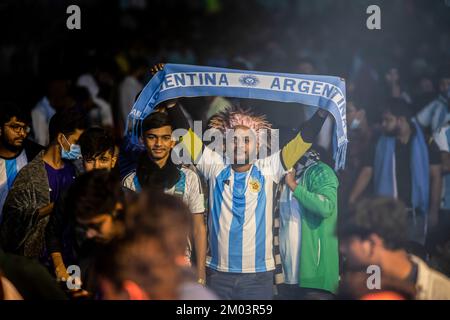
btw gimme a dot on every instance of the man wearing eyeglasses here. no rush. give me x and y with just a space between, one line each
15 149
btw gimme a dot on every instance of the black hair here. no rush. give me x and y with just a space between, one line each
444 72
8 110
383 216
399 108
307 60
138 62
94 193
156 120
80 94
95 141
66 122
142 258
357 101
163 214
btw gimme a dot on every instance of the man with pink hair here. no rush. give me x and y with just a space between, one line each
240 262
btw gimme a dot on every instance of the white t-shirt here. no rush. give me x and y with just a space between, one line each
193 194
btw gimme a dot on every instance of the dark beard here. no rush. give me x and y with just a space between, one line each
5 144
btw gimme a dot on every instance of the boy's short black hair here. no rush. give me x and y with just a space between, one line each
156 120
66 122
9 110
94 193
96 141
80 94
383 216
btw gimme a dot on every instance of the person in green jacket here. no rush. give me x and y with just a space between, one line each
308 243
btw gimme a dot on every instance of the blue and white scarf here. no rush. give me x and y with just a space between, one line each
384 169
174 81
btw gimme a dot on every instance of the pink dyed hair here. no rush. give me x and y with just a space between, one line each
232 117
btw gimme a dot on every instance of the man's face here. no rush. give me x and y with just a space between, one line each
389 124
70 139
357 252
243 145
105 160
159 142
13 133
101 228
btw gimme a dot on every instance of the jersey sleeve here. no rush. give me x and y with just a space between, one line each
195 195
441 139
209 162
272 167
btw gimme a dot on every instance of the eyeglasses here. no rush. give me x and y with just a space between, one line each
17 128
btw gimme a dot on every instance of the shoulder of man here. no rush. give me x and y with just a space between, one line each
32 149
322 172
431 284
31 172
192 175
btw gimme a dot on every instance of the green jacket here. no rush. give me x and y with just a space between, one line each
319 256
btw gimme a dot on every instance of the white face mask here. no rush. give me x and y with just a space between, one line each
355 124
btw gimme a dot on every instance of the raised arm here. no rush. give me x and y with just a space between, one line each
297 147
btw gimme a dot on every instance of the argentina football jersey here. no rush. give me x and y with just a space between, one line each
8 172
241 213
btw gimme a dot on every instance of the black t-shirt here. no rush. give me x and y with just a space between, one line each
403 165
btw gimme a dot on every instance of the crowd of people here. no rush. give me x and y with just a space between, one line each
88 214
99 219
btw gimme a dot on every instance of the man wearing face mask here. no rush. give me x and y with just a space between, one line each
360 135
30 201
16 150
98 151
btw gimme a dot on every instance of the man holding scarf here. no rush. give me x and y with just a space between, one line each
240 262
405 167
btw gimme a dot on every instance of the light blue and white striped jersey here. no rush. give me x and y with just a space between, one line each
241 213
442 139
435 114
8 172
290 234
